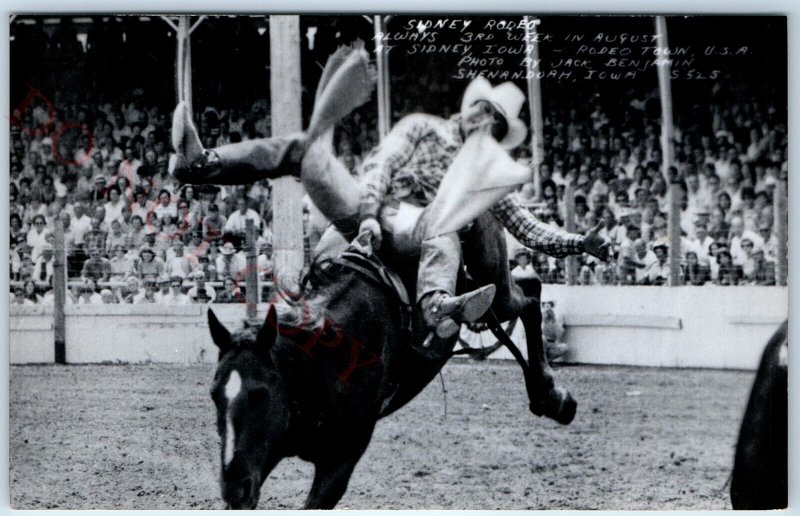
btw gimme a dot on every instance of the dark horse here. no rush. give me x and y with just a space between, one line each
760 469
316 376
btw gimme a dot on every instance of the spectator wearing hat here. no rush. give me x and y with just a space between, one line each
98 194
201 292
164 283
230 263
659 272
523 269
174 296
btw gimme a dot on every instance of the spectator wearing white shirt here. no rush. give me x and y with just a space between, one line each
231 263
201 292
702 241
737 234
165 206
37 237
770 241
114 206
658 273
524 269
43 266
237 220
178 264
174 296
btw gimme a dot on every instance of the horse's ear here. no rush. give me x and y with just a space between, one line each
269 330
219 334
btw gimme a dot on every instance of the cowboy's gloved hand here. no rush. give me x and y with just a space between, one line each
371 224
595 244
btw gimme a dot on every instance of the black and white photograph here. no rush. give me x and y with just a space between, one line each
516 261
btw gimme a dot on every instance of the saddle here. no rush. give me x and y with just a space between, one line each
359 257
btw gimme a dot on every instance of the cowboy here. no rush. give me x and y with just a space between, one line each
462 170
402 177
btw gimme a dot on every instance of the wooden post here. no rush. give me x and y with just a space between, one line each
534 102
674 229
59 292
187 65
382 62
569 224
251 279
665 88
287 192
781 233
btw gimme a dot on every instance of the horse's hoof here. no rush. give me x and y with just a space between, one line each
560 406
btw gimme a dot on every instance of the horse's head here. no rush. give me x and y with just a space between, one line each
252 408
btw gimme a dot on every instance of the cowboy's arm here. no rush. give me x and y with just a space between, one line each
533 233
381 165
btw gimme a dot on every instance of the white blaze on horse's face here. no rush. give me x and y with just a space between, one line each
232 389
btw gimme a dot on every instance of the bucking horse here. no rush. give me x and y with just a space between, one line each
349 348
326 364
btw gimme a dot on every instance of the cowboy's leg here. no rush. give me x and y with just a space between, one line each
233 164
442 310
486 257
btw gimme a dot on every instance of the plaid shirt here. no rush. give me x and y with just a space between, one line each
419 149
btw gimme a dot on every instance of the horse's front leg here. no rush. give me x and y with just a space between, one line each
545 398
330 483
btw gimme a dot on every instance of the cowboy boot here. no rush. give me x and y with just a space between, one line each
189 151
445 313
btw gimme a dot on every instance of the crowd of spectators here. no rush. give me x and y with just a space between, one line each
725 173
133 234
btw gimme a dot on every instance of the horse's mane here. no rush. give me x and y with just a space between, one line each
305 312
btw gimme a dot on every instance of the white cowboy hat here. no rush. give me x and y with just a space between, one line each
507 98
227 248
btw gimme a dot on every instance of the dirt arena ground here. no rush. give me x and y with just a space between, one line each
143 437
